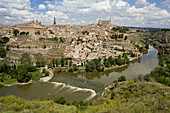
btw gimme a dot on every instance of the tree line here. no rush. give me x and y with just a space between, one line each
20 72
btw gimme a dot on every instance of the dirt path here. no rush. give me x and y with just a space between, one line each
46 79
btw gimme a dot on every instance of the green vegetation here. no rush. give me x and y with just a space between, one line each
15 32
93 65
120 29
44 46
2 51
59 100
15 104
51 32
49 39
160 74
131 97
37 33
125 97
40 64
117 61
61 39
85 32
21 73
3 41
24 33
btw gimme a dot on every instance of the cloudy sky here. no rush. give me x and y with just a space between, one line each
139 13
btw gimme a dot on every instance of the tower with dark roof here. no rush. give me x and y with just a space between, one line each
54 21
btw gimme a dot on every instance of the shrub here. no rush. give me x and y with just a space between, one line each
59 100
122 78
46 73
126 94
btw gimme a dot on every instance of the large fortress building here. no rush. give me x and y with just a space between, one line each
104 22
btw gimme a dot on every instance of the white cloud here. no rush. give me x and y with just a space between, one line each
141 3
167 3
56 14
19 11
85 12
42 7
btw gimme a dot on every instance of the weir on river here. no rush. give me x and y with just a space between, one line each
83 86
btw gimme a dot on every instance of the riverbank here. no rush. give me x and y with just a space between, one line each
47 78
17 83
81 69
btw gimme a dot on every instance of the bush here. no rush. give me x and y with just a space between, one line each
122 78
1 85
28 67
44 70
23 76
44 46
75 68
59 100
126 94
113 94
46 73
82 105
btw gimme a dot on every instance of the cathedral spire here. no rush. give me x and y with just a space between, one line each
54 21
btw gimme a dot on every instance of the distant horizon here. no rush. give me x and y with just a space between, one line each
139 27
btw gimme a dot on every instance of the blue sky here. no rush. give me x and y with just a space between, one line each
137 13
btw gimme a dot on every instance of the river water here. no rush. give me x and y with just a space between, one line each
83 86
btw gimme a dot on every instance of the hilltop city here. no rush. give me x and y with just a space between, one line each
82 43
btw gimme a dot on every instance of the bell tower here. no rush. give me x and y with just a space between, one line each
54 21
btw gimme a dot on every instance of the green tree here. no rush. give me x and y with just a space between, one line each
44 46
61 39
90 66
62 61
147 46
66 62
107 63
50 65
2 52
56 62
4 40
119 61
42 63
44 70
53 62
126 37
46 73
70 63
23 76
110 59
15 32
38 64
126 60
75 68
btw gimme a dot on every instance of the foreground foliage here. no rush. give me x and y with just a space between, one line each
131 97
125 97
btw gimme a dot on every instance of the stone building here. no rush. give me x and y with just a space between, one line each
104 22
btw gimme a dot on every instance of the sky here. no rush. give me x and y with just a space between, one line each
136 13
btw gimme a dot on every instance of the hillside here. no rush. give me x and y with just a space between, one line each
127 97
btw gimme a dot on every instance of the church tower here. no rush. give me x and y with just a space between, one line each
54 21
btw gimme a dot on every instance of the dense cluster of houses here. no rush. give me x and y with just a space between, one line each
84 42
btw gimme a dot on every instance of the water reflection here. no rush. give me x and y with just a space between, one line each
141 66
